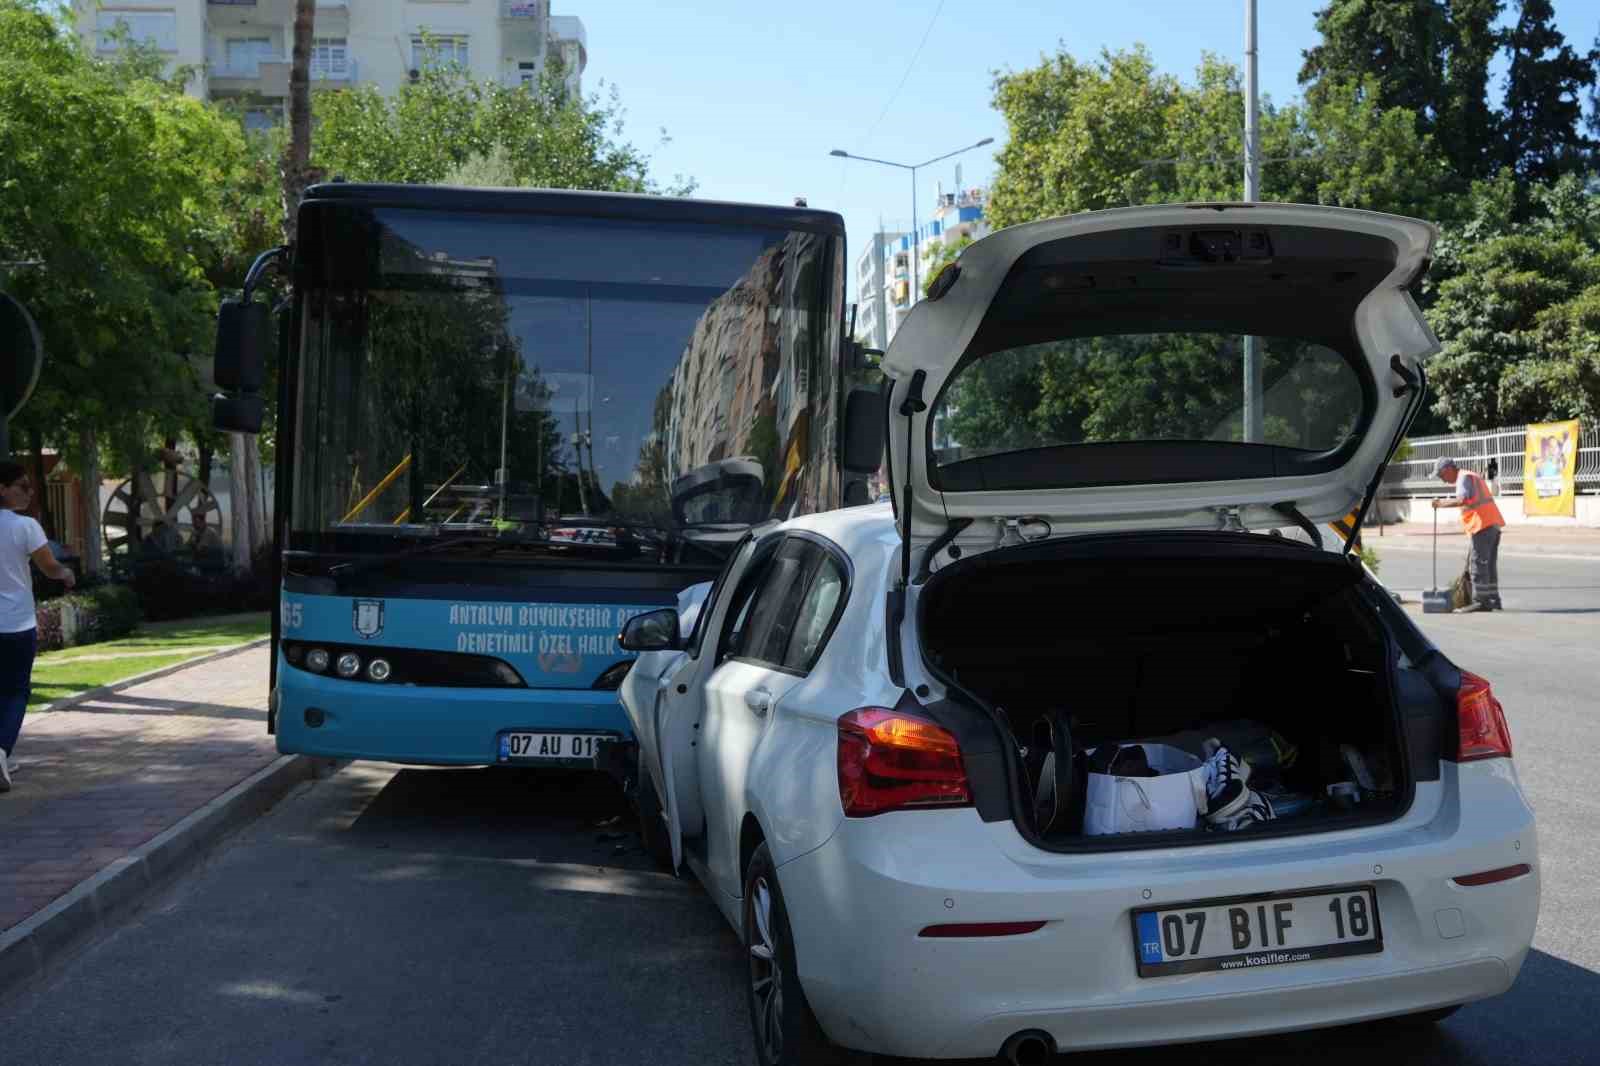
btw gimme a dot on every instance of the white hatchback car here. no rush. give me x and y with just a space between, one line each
914 753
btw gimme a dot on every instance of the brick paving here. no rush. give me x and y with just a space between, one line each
101 778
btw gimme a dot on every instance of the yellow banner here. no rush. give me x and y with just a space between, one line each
1549 470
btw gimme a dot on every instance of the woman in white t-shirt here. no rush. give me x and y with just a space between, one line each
21 539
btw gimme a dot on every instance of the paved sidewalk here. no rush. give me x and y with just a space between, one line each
1518 539
101 778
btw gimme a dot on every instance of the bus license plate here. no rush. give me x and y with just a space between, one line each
1255 931
540 746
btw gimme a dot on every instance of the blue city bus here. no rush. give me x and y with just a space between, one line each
509 420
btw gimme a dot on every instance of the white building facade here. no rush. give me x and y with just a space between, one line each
242 47
955 215
872 294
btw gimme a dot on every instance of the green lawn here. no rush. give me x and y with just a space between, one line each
60 680
58 674
219 631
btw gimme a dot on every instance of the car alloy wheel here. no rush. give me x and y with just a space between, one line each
766 975
786 1032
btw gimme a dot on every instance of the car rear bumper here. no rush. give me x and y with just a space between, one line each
858 903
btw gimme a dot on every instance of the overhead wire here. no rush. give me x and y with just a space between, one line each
887 104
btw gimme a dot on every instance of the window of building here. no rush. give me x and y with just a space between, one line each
330 58
158 28
260 119
242 56
527 73
438 51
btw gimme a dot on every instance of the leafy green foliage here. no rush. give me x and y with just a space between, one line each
129 193
1516 307
1544 101
447 126
1426 57
1114 133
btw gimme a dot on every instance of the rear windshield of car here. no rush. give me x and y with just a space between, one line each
1145 387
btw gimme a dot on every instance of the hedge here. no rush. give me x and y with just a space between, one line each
103 612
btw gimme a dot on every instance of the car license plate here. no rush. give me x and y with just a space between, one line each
519 747
1254 931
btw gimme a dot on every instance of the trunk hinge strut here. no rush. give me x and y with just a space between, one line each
909 408
1414 383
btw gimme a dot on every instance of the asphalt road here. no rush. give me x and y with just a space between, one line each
408 916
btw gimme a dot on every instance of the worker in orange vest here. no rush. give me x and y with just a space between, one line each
1480 515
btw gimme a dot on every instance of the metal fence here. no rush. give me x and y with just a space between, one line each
1413 476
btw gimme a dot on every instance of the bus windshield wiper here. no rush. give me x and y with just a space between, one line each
376 562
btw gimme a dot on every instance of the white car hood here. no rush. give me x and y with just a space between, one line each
938 332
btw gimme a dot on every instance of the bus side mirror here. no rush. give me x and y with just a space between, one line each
653 631
238 414
240 365
242 333
861 449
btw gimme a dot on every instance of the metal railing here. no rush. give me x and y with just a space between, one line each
1413 475
244 67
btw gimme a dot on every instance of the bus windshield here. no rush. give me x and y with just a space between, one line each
604 387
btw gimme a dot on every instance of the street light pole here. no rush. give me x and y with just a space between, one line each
913 167
1254 431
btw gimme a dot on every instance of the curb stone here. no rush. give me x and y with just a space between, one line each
39 945
66 702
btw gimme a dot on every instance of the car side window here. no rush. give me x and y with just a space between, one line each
718 587
763 633
824 594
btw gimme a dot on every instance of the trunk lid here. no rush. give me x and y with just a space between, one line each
1088 373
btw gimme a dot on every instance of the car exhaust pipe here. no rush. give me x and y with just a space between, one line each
1030 1047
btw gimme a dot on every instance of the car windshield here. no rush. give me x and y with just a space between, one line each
594 383
1144 387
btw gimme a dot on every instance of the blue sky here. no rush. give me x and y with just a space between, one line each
753 94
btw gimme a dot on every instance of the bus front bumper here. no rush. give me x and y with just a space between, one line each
427 726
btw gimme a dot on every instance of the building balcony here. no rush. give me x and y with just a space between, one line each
264 75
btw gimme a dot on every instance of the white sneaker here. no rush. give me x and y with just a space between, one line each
5 771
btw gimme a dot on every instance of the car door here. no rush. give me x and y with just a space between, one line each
750 679
678 701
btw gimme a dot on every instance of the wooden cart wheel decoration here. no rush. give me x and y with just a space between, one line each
190 518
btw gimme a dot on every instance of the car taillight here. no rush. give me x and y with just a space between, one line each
890 761
1481 721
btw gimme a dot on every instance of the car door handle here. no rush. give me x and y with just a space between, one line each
758 700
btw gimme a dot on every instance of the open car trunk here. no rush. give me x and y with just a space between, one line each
1272 647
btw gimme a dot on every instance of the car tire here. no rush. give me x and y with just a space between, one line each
652 826
786 1032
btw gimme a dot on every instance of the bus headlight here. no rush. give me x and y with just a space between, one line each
317 660
378 669
349 664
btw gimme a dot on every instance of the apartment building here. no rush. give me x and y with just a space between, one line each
242 47
872 298
887 290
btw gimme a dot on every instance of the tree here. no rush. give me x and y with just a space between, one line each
445 125
938 256
1428 57
1544 98
1117 132
1517 309
115 182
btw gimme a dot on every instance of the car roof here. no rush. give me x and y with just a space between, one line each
851 528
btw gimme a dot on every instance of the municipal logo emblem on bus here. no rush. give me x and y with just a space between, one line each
368 618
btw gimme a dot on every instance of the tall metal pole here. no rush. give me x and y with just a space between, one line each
912 302
1253 378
